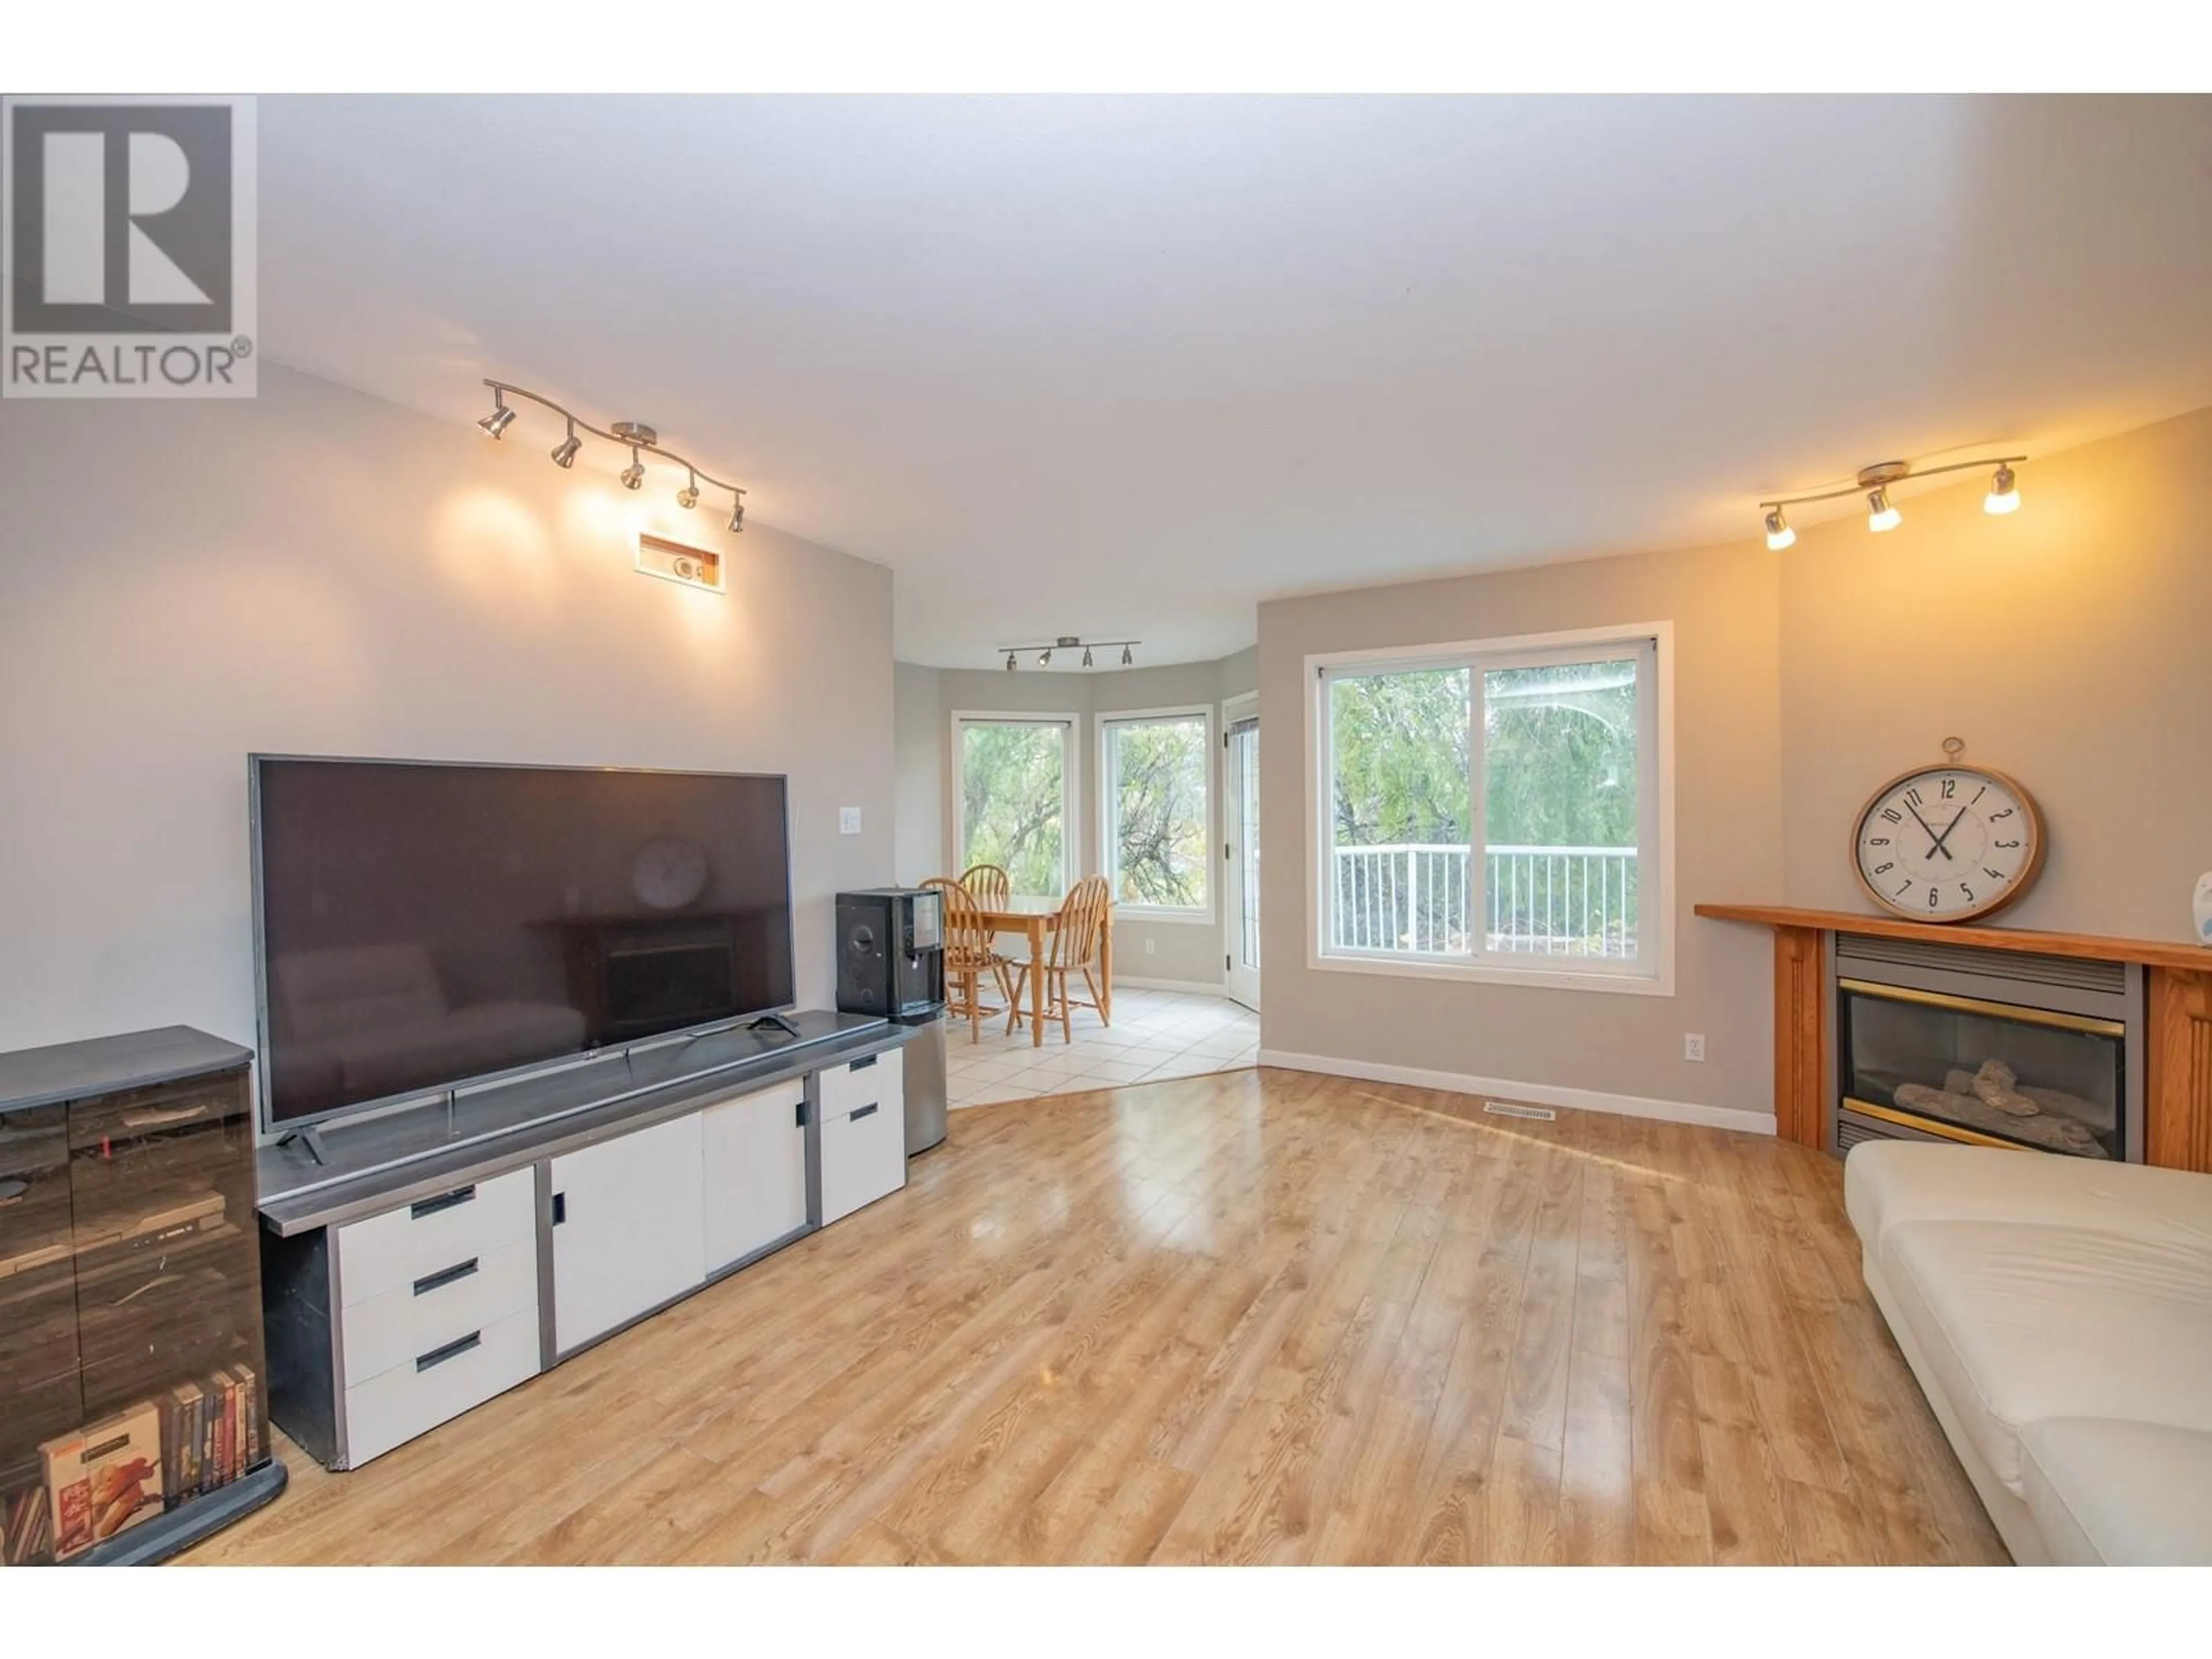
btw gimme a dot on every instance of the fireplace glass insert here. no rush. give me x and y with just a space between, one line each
1984 1072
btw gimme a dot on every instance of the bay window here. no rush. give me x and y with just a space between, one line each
1156 830
1013 802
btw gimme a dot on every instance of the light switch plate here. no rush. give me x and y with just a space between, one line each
848 820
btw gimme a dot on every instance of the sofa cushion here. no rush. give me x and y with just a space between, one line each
2104 1492
1886 1182
2022 1321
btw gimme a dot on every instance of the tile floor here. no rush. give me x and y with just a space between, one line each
1154 1035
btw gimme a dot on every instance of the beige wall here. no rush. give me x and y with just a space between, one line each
2067 644
2070 644
1727 781
1187 952
317 572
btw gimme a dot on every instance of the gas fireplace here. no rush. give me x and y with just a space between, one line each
1989 1047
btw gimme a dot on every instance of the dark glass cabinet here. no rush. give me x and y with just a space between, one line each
133 1403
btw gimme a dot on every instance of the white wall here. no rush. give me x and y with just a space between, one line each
318 572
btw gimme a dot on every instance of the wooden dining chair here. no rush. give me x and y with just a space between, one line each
991 886
970 954
1072 949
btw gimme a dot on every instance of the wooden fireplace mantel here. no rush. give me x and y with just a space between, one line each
2177 1088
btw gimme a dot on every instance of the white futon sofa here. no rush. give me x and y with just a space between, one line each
2057 1312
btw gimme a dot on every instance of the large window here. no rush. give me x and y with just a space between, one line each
1494 809
1156 822
1014 809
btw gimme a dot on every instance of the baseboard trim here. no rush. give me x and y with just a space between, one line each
1537 1094
1196 987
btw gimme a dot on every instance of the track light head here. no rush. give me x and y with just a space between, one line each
1044 658
688 497
633 475
1779 535
737 517
1881 515
1086 656
1127 660
2004 493
564 452
1011 664
501 418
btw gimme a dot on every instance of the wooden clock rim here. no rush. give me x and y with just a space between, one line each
2028 870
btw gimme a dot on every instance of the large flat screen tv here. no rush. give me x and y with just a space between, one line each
421 926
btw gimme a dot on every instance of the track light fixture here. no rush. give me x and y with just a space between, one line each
2004 493
1882 512
641 440
1067 642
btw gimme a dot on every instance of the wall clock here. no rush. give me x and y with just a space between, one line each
1948 844
669 872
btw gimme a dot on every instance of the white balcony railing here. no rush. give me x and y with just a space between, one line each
1547 901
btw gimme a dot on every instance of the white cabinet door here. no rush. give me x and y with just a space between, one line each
755 1156
627 1231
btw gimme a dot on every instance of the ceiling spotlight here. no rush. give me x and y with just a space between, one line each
736 518
2004 493
1011 664
564 452
1881 515
1044 658
1086 656
1127 660
1779 535
501 418
689 495
633 475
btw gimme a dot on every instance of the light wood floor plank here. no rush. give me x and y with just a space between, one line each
1251 1316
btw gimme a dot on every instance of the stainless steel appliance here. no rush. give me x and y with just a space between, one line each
925 1081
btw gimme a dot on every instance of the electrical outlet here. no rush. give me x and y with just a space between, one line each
1148 946
848 820
1693 1045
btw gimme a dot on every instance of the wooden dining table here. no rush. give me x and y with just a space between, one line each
1036 919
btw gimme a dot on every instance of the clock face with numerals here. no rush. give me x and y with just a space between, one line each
1948 844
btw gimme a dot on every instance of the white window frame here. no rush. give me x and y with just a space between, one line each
1195 915
1071 787
1653 972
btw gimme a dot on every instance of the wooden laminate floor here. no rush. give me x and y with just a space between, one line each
1252 1316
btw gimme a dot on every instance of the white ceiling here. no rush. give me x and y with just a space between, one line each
1109 366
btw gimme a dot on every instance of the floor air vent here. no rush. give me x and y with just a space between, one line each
1511 1109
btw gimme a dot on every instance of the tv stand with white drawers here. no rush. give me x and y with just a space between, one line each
443 1255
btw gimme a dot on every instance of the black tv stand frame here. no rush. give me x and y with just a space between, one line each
773 1022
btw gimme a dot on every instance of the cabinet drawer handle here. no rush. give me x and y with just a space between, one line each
453 1350
859 1112
426 1207
445 1276
862 1064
